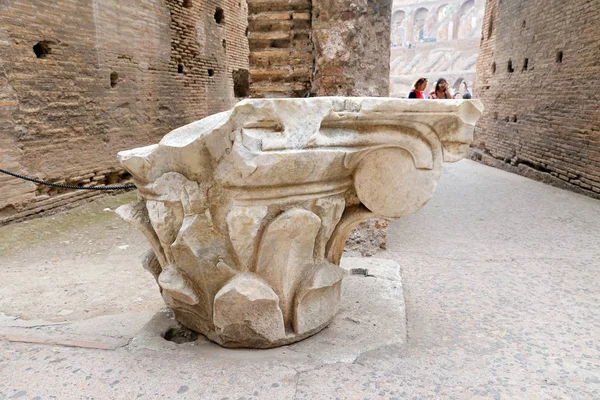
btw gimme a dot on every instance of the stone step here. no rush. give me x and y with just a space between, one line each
280 74
279 26
256 6
279 87
303 45
269 35
281 15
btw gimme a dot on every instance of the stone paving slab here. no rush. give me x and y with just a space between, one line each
500 282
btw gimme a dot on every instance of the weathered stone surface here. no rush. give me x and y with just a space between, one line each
244 223
248 210
412 187
247 312
286 250
317 301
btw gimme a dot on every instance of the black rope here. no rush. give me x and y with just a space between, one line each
59 185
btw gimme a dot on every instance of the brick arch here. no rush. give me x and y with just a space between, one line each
466 16
398 28
444 24
457 83
419 18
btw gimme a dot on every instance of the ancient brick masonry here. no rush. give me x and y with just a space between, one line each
538 75
302 48
81 80
281 52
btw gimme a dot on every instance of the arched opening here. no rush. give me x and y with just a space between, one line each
467 21
444 26
457 84
419 34
398 33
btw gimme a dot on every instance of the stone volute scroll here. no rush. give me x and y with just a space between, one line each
247 211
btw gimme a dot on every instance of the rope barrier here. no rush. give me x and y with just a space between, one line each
59 185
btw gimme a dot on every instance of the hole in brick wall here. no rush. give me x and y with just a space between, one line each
211 72
241 83
493 68
559 57
219 15
495 116
42 49
524 24
180 68
280 43
246 32
510 67
187 3
526 64
515 119
224 43
507 119
114 79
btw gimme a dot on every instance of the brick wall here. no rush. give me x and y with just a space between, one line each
82 80
538 74
319 48
281 51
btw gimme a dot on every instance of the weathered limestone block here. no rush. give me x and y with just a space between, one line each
247 211
247 313
318 298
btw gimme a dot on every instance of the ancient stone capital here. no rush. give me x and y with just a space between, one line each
247 211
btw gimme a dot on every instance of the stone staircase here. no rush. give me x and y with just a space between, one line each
281 49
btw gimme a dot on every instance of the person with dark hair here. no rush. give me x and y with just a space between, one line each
441 90
419 89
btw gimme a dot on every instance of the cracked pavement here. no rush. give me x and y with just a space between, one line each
499 298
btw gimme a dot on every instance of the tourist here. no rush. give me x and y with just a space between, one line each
441 90
419 90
